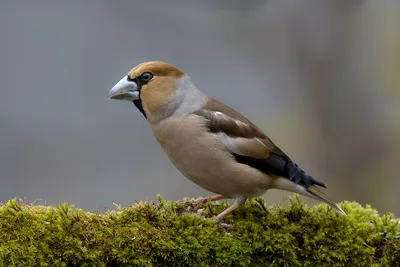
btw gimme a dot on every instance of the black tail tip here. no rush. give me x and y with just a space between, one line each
298 176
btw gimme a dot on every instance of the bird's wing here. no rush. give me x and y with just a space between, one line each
249 145
252 147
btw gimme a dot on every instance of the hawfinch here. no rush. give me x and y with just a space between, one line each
211 144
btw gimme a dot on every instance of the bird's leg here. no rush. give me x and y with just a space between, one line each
206 199
238 201
201 200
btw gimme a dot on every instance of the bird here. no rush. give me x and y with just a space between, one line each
210 143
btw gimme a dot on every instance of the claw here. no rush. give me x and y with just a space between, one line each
227 226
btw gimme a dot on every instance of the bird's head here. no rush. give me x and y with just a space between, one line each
157 89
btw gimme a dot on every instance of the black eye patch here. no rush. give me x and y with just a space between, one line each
143 79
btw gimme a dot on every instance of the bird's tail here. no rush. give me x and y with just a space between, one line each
319 195
312 191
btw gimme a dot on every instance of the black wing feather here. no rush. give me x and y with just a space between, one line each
280 165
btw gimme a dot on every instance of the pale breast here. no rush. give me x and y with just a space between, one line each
203 159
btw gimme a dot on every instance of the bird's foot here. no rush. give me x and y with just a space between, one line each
183 202
206 199
199 201
227 226
237 202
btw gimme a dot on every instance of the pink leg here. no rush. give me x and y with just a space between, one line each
201 200
237 203
206 199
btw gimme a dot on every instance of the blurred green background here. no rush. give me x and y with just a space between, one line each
320 77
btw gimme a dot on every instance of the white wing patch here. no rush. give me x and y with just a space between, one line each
229 142
252 147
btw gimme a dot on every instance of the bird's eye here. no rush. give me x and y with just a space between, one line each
147 76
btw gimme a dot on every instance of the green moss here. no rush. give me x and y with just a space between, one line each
167 234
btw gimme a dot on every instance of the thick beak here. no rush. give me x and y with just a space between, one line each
124 90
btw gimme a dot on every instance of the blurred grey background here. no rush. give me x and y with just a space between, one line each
321 78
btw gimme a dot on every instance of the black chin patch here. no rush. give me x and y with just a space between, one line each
139 105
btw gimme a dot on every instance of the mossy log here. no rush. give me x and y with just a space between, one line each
169 234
